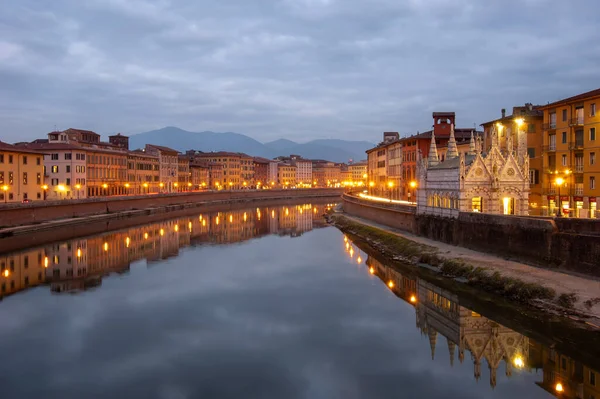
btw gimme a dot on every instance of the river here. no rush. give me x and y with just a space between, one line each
264 302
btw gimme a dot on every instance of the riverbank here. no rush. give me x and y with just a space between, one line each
546 290
20 237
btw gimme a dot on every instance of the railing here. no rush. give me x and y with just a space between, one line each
578 168
577 121
576 145
550 190
549 126
549 148
577 191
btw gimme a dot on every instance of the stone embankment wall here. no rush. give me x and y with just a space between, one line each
567 244
42 211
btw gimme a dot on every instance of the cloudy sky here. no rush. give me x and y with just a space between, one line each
298 69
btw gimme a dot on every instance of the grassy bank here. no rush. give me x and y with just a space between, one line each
401 249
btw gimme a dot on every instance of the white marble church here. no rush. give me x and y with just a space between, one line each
496 182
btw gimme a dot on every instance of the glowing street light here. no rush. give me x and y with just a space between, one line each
559 387
5 189
390 284
559 182
413 299
518 362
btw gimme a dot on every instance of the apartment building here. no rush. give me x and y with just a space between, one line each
143 172
571 170
524 128
247 170
265 172
237 168
65 171
183 174
325 173
286 175
168 161
377 164
21 174
199 175
359 171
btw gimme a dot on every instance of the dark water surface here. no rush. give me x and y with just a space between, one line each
258 303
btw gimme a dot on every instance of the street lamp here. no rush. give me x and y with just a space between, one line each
105 187
391 186
189 186
176 185
127 185
559 182
5 189
45 188
146 187
61 189
412 185
78 186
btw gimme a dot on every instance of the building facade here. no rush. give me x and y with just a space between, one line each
143 172
570 167
495 182
21 174
524 126
377 165
286 175
358 172
168 161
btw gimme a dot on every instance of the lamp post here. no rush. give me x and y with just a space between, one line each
127 188
146 187
45 189
559 182
105 187
412 185
189 186
161 185
77 186
5 189
61 190
390 186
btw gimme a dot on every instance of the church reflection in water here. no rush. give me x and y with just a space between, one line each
487 343
78 264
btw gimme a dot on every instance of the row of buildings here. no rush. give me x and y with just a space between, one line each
74 164
77 264
538 160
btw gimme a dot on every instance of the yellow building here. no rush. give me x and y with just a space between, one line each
286 175
238 168
21 174
143 173
382 180
21 270
524 126
358 172
571 170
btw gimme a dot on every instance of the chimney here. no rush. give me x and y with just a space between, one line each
503 112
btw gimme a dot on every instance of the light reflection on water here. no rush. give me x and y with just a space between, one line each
264 302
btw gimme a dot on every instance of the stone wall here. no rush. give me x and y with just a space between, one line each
564 244
42 211
397 216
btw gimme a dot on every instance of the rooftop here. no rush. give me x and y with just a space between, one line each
453 163
578 97
163 149
13 148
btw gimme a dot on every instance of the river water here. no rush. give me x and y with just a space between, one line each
265 302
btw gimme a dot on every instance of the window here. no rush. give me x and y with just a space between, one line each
534 176
38 161
54 182
10 178
1 158
68 183
67 156
552 142
564 137
24 160
38 179
531 152
24 178
531 128
1 177
592 158
26 261
593 109
39 195
68 169
564 115
564 160
54 168
54 157
563 363
592 182
592 378
592 133
10 159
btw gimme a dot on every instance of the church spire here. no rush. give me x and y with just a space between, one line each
472 149
451 349
432 341
452 150
433 158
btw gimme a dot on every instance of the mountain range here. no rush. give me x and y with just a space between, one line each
182 140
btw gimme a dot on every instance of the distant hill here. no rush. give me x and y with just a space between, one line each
182 140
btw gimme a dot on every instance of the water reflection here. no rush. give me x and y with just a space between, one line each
81 263
487 343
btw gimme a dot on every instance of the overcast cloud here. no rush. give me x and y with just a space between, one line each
298 69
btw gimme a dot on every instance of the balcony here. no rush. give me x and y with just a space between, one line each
576 191
576 145
549 126
578 168
549 148
550 190
578 121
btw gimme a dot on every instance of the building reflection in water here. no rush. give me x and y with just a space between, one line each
78 264
489 344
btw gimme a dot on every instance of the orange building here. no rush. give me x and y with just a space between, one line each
524 126
571 170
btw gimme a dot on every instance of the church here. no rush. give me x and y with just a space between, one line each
496 182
